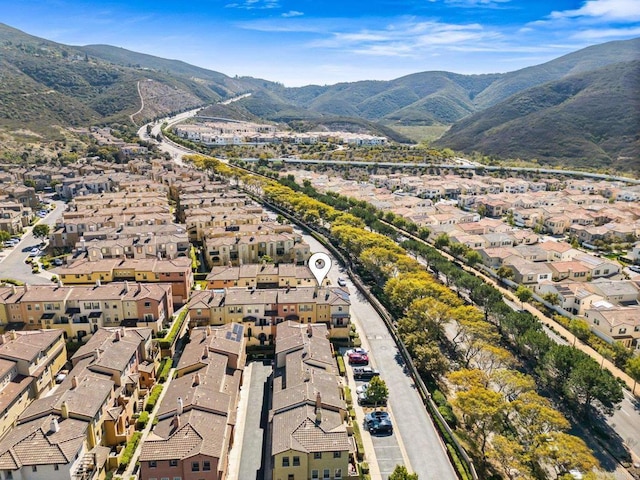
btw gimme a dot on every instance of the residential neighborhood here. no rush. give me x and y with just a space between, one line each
157 286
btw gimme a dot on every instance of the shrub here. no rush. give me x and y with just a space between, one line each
129 449
447 413
142 420
167 341
165 367
341 368
153 398
359 444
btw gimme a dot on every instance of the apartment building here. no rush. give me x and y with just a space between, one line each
79 310
197 416
308 419
261 311
236 249
67 434
29 363
175 272
262 276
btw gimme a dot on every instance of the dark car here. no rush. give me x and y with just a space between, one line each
378 422
365 401
364 373
358 359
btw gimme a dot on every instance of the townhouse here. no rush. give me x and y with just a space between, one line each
615 324
197 416
262 276
176 272
80 310
308 418
68 434
29 363
260 311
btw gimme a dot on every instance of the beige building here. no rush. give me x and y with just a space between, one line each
309 436
616 324
197 416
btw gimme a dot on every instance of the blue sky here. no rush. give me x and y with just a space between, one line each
301 42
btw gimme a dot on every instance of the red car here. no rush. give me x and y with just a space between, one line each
356 358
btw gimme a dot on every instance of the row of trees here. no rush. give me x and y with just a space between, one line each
426 308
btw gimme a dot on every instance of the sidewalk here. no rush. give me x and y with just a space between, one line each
128 473
243 403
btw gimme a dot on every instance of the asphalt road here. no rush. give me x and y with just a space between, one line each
13 264
417 434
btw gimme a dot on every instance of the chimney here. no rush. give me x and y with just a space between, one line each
123 332
176 422
318 401
26 287
126 286
205 353
98 283
53 426
64 409
180 409
74 382
97 354
13 335
208 330
14 290
309 330
117 339
196 379
2 339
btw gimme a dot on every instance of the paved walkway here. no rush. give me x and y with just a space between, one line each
128 473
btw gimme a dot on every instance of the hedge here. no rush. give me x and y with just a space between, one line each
341 368
142 420
359 444
129 449
167 341
153 398
165 367
347 396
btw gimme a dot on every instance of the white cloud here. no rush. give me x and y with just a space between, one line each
477 3
606 33
606 10
255 4
292 13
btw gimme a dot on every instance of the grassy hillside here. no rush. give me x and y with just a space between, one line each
587 119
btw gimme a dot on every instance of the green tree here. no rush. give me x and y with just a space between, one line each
401 473
441 240
377 392
473 258
41 231
579 328
523 294
589 384
504 272
4 236
633 369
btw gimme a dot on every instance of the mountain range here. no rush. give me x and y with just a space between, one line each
582 109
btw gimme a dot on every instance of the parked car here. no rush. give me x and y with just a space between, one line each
342 282
362 388
364 373
364 400
358 359
378 422
635 268
34 252
356 350
57 262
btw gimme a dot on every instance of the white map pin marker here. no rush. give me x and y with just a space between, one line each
320 264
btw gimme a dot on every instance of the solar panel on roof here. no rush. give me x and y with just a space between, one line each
228 335
237 328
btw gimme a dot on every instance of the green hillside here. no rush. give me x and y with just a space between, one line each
586 119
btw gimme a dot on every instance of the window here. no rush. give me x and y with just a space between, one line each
206 466
34 468
285 461
56 467
291 477
317 455
338 474
9 475
147 304
337 454
177 478
195 467
173 463
315 474
153 464
296 461
326 473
